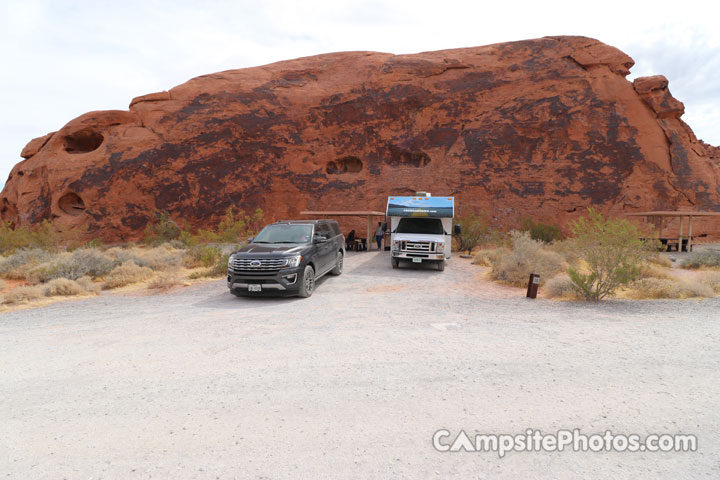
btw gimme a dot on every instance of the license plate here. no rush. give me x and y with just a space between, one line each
417 260
255 288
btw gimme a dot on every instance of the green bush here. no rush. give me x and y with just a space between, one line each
219 269
474 230
203 255
527 256
162 229
543 232
613 251
39 236
702 259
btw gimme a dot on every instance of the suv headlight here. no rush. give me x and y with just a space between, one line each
230 260
294 261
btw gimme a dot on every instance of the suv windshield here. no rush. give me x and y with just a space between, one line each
431 226
284 233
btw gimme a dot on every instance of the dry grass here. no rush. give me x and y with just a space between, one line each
661 260
23 295
653 270
81 262
126 274
88 285
166 281
484 257
527 256
712 280
560 286
566 249
665 288
63 287
2 285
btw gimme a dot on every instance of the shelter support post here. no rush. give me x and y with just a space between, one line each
689 244
370 237
682 219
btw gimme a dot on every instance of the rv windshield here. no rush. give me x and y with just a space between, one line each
432 226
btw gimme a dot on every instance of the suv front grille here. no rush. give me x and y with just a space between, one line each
258 264
423 247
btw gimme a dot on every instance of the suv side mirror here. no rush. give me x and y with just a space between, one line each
457 230
320 239
250 239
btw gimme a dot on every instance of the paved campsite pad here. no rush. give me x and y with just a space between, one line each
352 382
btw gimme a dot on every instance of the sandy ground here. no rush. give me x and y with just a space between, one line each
353 382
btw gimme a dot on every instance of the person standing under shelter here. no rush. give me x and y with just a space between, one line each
379 235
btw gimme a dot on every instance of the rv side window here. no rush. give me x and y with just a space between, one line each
432 226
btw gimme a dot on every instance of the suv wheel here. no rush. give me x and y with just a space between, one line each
338 265
395 262
308 282
441 265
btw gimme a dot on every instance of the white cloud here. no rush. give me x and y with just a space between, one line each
61 59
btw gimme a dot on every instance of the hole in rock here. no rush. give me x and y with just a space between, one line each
72 204
83 141
349 164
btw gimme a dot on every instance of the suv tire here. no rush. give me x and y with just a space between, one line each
441 265
338 265
307 282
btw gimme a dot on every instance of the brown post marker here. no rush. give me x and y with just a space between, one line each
533 284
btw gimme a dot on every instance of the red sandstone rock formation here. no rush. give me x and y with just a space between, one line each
540 128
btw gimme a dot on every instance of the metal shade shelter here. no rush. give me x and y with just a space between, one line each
658 217
371 214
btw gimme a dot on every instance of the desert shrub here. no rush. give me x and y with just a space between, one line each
88 285
567 249
17 265
62 287
474 231
527 256
161 229
712 280
666 288
202 255
613 252
23 295
79 263
165 281
702 259
560 286
219 269
543 232
660 259
162 257
126 274
38 236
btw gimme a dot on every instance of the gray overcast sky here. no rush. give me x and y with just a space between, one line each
63 58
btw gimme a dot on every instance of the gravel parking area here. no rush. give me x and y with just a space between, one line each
353 382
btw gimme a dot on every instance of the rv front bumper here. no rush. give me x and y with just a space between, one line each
422 256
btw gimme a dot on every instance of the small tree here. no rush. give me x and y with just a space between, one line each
613 252
544 232
162 229
473 231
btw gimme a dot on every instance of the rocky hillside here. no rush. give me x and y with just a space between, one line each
539 128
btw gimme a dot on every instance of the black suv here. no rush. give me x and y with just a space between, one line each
286 258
